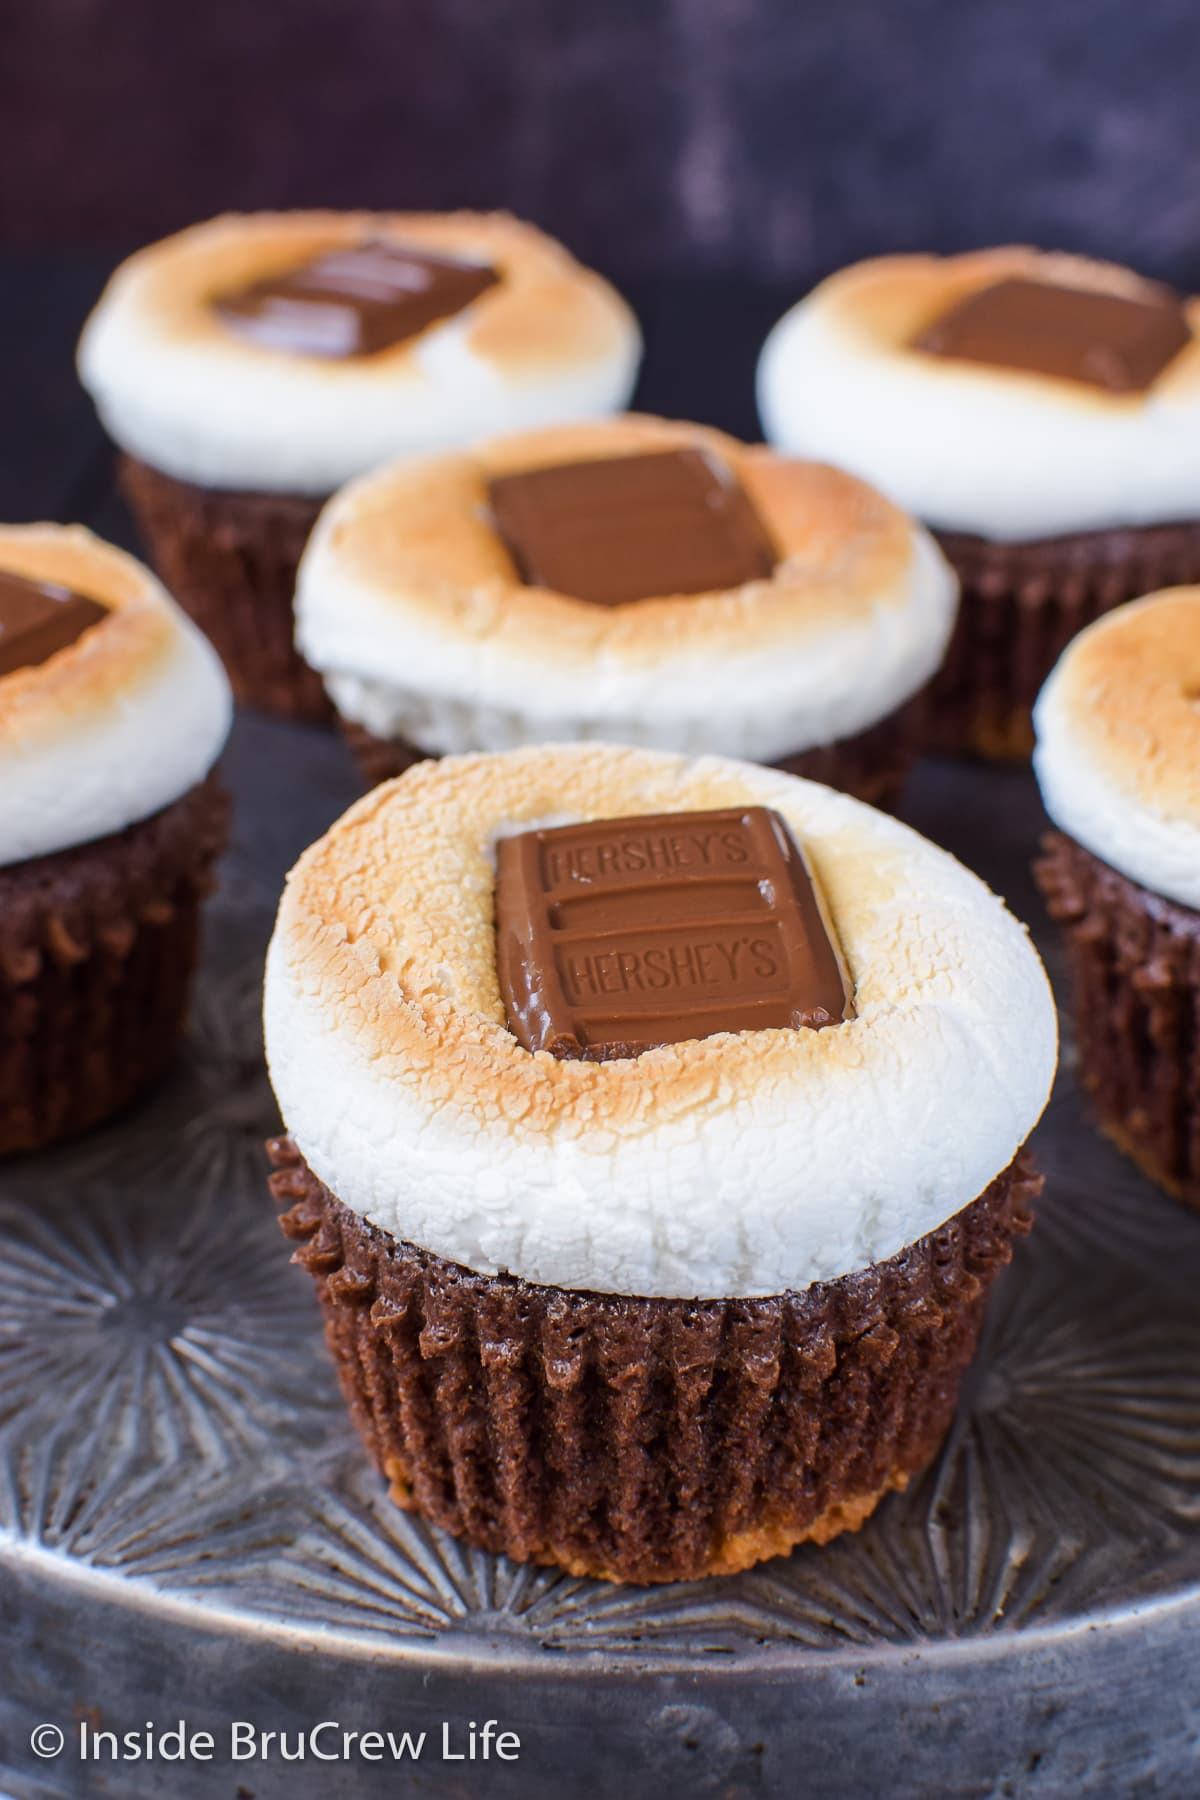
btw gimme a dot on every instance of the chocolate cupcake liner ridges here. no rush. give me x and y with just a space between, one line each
1135 977
641 1439
230 560
1021 606
97 949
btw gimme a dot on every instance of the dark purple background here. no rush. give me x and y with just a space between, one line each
653 135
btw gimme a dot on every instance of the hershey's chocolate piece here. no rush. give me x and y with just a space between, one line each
631 527
1110 341
38 618
622 934
353 302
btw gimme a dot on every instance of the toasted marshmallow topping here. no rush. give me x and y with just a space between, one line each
116 725
739 1164
1118 742
410 604
178 388
969 446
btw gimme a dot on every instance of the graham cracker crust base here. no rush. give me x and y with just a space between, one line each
742 1550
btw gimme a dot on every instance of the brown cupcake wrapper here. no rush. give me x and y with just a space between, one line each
1021 606
873 765
1135 980
230 559
646 1440
378 758
97 949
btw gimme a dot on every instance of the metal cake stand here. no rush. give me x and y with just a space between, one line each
189 1529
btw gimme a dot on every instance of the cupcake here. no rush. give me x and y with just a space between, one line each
113 710
655 1130
636 580
1041 412
1118 761
250 366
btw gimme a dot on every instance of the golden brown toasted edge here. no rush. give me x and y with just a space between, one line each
106 663
387 925
419 535
888 301
1130 688
550 310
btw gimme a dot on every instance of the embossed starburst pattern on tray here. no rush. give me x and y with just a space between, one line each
169 1419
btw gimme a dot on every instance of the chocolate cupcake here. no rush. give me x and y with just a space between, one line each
1118 760
637 580
250 366
655 1132
113 710
1041 412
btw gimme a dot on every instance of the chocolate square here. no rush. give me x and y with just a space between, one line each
353 302
1110 341
618 935
631 527
39 618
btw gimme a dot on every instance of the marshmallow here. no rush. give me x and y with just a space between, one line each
1118 742
117 725
409 603
1003 453
178 389
740 1164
